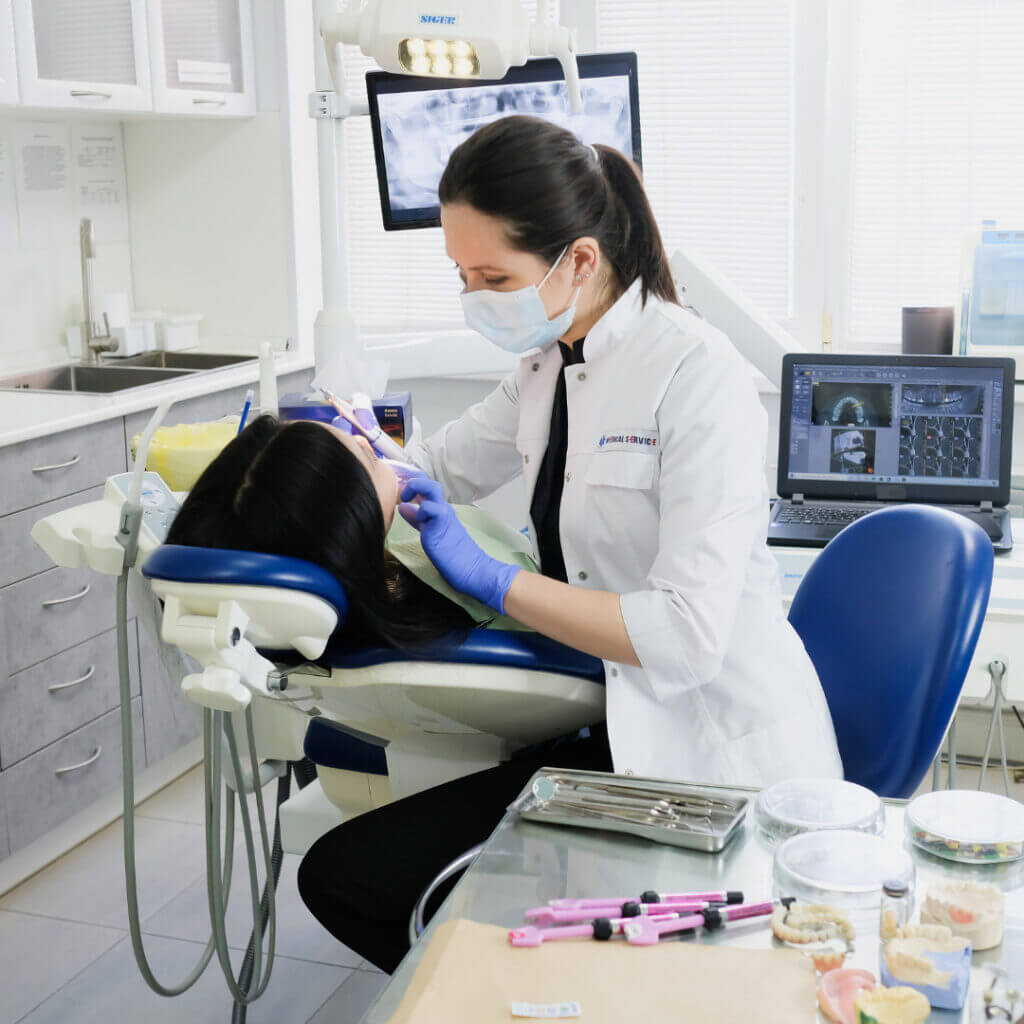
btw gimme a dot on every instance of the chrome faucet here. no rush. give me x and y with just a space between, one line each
94 341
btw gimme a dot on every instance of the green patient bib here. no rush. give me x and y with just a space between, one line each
496 539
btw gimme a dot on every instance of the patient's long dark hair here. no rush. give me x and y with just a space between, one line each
295 489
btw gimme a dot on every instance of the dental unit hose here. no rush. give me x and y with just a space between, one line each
217 728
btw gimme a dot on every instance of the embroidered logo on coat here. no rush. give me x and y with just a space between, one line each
639 441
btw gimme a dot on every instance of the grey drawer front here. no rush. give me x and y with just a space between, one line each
172 720
33 633
32 716
20 556
38 799
92 454
4 846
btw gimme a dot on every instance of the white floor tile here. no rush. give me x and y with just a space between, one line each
352 1000
182 801
39 954
299 934
87 884
111 989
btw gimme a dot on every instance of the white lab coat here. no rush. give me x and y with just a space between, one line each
665 503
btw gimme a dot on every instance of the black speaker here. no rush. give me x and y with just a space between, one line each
928 330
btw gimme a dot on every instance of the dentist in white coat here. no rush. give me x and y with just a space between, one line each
640 440
658 503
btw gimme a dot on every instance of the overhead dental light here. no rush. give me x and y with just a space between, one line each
464 39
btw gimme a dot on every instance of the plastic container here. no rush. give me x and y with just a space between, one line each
895 908
844 868
177 333
181 453
796 806
967 826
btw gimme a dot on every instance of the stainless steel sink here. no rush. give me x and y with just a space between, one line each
183 360
95 380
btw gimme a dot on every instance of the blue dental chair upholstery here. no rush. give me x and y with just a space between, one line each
329 743
890 614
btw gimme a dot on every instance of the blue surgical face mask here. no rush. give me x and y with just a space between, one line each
517 321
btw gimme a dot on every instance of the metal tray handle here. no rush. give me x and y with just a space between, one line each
71 597
58 465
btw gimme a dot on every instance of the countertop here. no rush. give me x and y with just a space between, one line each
27 415
525 864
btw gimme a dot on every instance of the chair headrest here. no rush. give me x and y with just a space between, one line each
176 562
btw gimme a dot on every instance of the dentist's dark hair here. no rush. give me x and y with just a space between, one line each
550 189
295 489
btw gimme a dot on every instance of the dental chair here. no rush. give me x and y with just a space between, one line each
378 724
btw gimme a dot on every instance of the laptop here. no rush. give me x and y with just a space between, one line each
858 433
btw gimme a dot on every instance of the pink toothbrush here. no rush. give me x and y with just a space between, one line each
602 929
557 915
722 896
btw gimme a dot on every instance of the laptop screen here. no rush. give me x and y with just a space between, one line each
916 425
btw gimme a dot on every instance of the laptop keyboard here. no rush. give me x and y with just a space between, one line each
821 515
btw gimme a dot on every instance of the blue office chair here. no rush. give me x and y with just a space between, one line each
890 614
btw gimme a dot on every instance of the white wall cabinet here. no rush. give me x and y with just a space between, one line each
8 68
202 56
84 54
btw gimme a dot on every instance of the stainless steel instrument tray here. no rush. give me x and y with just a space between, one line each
675 813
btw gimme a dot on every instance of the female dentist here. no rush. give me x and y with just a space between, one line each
641 443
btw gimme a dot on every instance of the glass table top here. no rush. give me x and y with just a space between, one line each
525 864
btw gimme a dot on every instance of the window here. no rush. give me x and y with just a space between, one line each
936 145
717 109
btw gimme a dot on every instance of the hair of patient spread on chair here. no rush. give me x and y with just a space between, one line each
296 489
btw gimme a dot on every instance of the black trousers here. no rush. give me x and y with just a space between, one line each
362 879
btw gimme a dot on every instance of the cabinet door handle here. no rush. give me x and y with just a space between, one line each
94 93
64 600
74 682
57 465
85 764
213 103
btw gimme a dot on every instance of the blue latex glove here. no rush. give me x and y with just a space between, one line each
342 424
449 546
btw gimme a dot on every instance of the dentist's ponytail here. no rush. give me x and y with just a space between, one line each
551 189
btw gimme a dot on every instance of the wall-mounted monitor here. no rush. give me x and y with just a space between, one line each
417 122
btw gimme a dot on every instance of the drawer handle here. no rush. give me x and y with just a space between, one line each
64 600
57 465
213 103
79 94
74 682
85 764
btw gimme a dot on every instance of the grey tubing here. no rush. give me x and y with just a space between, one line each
128 772
239 1013
217 724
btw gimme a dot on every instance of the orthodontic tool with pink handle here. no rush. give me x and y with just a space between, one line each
721 896
646 931
602 929
629 909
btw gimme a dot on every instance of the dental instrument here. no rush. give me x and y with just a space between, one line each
362 408
601 929
649 896
629 909
245 410
646 931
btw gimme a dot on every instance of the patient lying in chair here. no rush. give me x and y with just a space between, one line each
309 491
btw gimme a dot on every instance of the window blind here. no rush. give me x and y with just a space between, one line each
937 146
400 280
716 107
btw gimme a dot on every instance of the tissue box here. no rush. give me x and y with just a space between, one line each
393 411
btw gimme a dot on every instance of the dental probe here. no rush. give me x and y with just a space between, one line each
383 445
629 909
650 896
